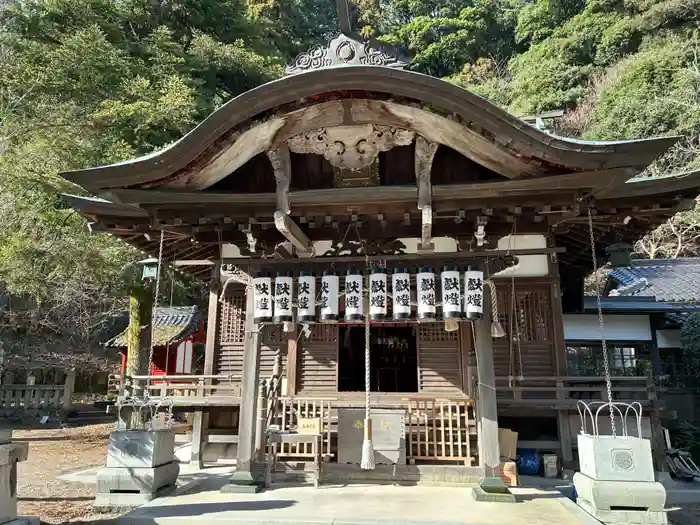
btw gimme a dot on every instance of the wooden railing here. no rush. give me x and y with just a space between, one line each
441 429
182 389
438 429
35 399
288 411
567 390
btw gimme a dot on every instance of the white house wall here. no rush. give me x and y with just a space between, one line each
585 327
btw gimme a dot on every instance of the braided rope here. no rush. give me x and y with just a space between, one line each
367 368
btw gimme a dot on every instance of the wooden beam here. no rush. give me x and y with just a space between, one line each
585 180
423 157
399 258
193 262
291 231
426 232
282 167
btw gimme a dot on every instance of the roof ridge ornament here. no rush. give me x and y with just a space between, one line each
346 49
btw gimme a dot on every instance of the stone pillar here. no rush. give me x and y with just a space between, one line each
10 454
243 479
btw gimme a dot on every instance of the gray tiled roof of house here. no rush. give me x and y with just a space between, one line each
666 280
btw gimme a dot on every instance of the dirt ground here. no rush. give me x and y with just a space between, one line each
57 451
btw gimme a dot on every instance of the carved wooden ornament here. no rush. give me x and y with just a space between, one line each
343 51
351 147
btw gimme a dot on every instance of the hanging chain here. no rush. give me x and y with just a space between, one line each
153 314
606 364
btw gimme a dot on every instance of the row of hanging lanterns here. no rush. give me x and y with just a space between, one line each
274 300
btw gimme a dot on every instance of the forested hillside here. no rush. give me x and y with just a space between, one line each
89 82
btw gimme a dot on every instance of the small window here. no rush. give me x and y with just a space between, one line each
626 359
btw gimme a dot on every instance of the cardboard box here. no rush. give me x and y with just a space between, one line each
508 443
508 472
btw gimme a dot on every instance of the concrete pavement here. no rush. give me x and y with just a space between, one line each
354 505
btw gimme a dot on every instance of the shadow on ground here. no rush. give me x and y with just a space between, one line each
198 509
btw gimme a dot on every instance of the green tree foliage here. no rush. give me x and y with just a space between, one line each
90 82
443 37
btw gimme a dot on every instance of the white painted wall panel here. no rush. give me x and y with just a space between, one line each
585 327
528 265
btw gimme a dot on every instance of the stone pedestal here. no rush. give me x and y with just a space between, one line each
139 468
10 454
493 490
616 483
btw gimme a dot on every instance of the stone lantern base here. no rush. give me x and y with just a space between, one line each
139 468
11 454
616 483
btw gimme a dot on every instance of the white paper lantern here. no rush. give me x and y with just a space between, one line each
284 284
377 294
330 291
427 294
262 297
353 296
451 292
473 293
306 297
401 293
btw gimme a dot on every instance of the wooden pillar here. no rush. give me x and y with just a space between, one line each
292 361
197 438
212 341
200 420
249 393
560 363
489 453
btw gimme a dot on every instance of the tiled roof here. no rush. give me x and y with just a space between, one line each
668 280
171 324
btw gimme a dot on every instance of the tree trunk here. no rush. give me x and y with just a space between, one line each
138 344
139 334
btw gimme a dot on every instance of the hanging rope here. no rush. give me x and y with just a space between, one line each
367 462
606 364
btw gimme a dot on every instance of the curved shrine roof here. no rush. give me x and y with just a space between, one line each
265 117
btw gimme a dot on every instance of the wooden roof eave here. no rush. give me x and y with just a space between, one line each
437 94
680 182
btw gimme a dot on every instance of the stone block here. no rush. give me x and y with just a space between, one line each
232 488
609 458
126 480
10 455
128 500
624 517
480 494
5 436
140 448
611 495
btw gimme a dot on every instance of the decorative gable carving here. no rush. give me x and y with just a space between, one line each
351 147
344 50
